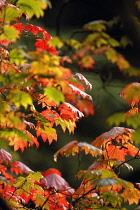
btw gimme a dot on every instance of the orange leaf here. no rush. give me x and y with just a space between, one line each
86 62
19 167
75 147
82 78
47 133
85 106
70 148
115 133
131 93
115 152
132 111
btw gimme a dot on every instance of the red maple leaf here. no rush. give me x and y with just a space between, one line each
50 115
19 167
46 35
5 156
42 44
54 180
85 106
34 29
19 26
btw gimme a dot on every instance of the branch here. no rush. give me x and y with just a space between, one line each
135 157
82 197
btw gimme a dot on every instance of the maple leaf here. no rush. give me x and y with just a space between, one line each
70 148
19 98
85 106
131 194
16 138
4 52
131 93
34 29
3 169
10 34
5 156
86 62
19 26
39 200
50 115
115 133
70 125
115 152
51 171
45 101
122 63
97 25
53 179
74 109
56 42
54 95
47 133
82 78
76 90
42 44
132 111
19 167
75 147
100 164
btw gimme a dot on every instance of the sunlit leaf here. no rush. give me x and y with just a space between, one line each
75 147
56 181
116 119
47 133
54 94
56 42
82 78
87 62
20 98
31 8
85 106
5 156
9 34
114 133
76 90
70 148
131 93
9 13
19 167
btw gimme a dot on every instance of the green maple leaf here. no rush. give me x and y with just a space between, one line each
54 94
20 98
9 33
56 42
36 176
9 13
31 8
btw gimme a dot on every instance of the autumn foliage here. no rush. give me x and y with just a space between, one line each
38 93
